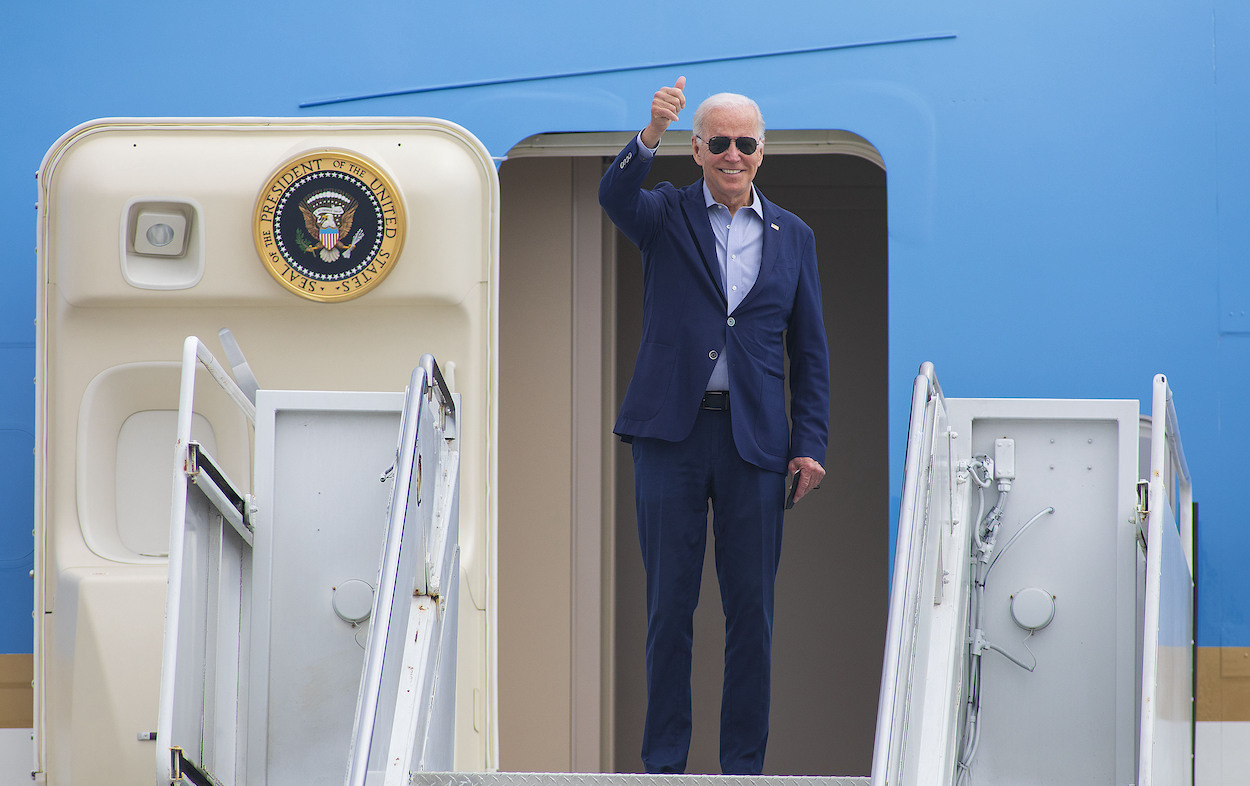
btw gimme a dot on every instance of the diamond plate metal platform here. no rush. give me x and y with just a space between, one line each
605 779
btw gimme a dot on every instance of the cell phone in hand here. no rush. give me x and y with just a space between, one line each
794 486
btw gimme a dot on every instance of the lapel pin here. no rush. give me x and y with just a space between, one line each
774 226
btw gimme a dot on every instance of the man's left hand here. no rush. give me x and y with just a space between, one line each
810 474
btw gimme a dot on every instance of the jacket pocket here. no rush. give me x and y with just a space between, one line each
772 430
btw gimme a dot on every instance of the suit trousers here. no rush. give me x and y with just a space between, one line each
674 482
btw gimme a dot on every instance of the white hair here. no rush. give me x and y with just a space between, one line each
726 100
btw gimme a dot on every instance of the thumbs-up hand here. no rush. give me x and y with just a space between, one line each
665 106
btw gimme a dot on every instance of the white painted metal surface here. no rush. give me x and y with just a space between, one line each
1222 753
405 713
1167 711
320 457
208 600
1072 718
1057 673
261 692
922 676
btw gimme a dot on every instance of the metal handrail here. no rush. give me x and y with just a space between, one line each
925 388
371 681
1167 454
928 372
194 348
194 353
1166 457
426 379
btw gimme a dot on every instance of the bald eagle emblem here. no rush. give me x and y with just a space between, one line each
329 225
328 218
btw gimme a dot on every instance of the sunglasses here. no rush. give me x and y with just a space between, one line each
719 144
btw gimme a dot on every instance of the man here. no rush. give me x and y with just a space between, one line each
730 287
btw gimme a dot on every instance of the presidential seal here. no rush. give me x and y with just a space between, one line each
329 225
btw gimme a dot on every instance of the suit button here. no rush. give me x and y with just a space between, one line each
731 322
713 355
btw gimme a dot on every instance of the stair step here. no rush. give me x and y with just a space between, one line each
608 779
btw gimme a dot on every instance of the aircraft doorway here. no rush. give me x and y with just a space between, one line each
572 617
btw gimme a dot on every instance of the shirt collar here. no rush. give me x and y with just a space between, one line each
756 204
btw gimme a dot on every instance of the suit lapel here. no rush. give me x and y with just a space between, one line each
695 212
774 226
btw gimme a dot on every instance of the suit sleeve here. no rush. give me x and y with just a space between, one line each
808 347
638 213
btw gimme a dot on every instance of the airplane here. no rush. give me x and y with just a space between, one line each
1044 204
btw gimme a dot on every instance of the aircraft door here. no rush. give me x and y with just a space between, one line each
336 251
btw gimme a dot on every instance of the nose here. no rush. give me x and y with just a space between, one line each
733 154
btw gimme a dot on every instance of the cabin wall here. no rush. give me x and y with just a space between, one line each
555 580
535 590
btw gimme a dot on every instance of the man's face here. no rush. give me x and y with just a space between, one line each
729 174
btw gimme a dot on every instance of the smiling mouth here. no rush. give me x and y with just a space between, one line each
732 171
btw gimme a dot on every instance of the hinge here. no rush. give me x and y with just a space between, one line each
192 466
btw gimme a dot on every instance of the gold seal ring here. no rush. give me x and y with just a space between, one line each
329 225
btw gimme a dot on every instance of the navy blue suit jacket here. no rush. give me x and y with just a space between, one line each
685 327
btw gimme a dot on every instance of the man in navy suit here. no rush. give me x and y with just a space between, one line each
730 288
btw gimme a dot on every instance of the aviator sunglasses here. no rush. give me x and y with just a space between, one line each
719 144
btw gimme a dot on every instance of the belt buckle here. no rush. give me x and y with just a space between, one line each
716 400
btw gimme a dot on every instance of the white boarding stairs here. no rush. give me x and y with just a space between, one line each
1041 615
265 679
1040 625
261 684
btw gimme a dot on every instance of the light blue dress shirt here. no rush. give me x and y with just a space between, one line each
739 251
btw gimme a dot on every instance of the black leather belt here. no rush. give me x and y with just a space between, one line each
715 400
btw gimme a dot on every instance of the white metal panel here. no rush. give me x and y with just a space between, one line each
320 457
1167 712
212 643
422 736
207 597
313 451
405 713
1222 755
1071 719
922 674
1068 532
